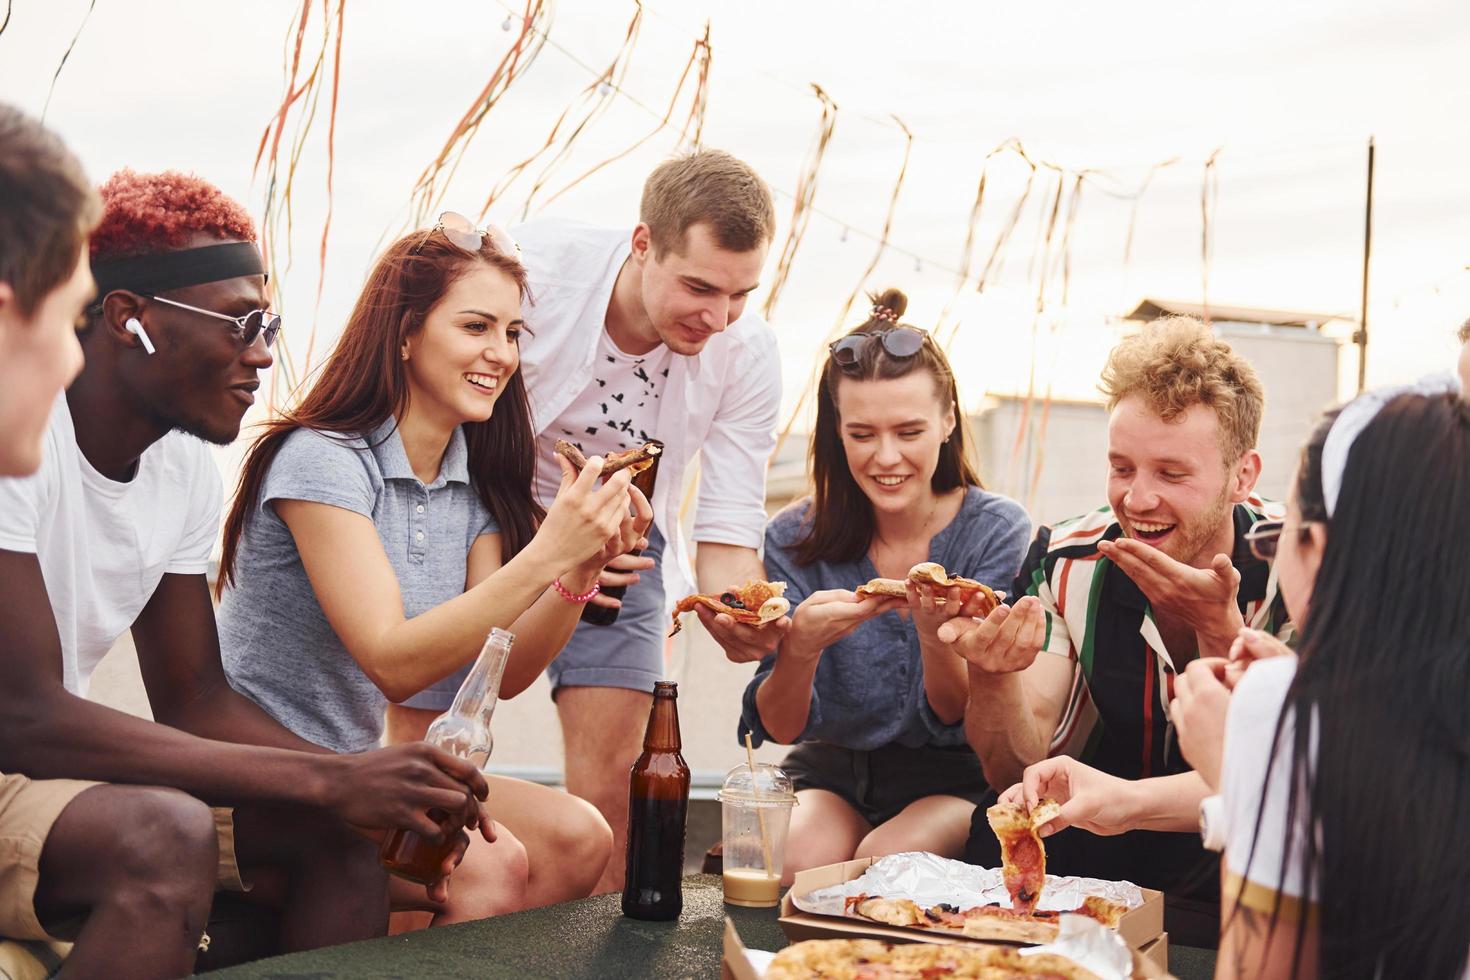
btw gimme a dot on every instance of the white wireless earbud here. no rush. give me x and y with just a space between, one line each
134 326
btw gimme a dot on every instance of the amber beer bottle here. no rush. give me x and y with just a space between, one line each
463 730
658 802
602 615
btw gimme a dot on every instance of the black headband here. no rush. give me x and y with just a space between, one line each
162 271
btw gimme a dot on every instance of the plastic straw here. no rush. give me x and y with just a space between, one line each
760 812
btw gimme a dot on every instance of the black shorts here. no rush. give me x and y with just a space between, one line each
878 784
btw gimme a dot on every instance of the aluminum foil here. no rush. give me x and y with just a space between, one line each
929 879
1089 943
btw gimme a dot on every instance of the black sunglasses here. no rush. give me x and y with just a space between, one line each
256 323
1263 537
901 341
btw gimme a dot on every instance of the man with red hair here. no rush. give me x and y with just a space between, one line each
115 532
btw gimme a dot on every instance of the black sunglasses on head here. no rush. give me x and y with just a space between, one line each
901 341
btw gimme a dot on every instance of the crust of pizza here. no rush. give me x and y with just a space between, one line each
932 574
759 603
636 460
869 959
892 911
1023 856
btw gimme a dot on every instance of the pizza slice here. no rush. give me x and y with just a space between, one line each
1023 858
636 460
931 574
754 603
869 959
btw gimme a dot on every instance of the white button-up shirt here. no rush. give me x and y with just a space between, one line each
720 405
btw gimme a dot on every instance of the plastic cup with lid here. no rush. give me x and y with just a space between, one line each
755 811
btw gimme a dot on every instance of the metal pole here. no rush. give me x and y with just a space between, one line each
1361 337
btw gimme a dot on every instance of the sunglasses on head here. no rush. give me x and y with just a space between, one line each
462 233
256 323
901 341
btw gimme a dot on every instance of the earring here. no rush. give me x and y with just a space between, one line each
403 354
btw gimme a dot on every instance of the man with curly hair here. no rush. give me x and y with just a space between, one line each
114 533
1109 607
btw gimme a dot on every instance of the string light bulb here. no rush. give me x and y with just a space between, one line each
505 25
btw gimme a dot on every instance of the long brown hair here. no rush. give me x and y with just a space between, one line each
363 383
841 515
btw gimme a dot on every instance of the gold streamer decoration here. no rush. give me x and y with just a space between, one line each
302 96
69 48
801 209
1209 202
595 99
841 321
698 64
428 191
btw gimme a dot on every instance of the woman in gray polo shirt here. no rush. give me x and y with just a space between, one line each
386 525
870 696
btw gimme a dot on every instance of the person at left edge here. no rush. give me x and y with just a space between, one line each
114 534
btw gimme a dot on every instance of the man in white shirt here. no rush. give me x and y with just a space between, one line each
638 336
105 839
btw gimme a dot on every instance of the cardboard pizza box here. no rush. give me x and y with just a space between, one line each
1140 927
734 965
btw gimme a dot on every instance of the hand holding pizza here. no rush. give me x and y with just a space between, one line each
1090 798
743 643
932 606
1004 642
613 565
1201 702
1204 598
584 518
829 615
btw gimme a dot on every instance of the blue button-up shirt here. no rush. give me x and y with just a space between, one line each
869 687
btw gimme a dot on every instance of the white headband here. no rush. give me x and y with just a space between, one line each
1354 418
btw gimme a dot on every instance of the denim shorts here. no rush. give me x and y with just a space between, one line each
880 783
628 654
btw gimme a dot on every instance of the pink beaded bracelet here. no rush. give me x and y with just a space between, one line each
561 590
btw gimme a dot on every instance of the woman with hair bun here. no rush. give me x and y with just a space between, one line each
872 699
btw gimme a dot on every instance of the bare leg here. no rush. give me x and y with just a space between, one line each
567 842
139 863
938 824
602 729
336 891
824 830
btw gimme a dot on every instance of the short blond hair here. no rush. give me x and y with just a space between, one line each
1176 362
710 186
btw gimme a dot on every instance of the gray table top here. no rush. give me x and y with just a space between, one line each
588 938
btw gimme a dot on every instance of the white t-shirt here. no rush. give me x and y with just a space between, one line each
104 546
1250 728
618 410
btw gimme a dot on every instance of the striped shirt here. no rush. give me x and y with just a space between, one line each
1116 717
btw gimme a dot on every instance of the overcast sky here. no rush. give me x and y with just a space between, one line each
1289 93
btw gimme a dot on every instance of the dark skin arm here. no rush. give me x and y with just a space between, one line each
47 732
178 653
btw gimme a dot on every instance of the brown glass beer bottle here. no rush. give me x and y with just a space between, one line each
603 615
463 730
658 802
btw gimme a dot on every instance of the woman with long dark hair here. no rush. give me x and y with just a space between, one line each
386 525
872 699
1345 847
